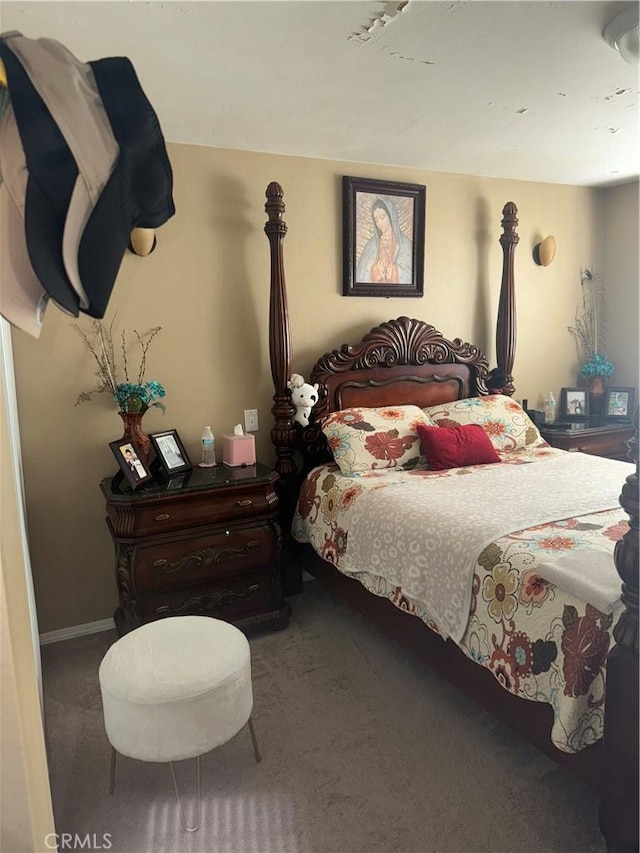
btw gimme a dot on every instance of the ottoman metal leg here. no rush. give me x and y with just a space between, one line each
179 798
112 773
256 748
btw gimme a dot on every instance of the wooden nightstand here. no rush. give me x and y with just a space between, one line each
203 543
597 439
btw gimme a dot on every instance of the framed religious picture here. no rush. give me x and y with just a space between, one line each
383 237
619 403
170 452
574 404
134 469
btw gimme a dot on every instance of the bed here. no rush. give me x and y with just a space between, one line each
533 652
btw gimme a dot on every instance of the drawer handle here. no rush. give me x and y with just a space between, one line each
163 516
254 587
244 503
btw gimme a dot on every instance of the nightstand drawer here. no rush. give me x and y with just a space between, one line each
200 510
229 599
611 446
230 551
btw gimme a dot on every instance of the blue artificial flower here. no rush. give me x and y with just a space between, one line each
598 365
138 398
154 390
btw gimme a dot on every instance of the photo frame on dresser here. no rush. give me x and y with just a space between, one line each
574 404
618 404
170 452
383 237
131 465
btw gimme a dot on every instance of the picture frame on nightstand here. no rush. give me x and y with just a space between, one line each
131 465
170 452
618 404
574 404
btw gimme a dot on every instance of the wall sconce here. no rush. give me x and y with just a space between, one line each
142 241
621 33
545 252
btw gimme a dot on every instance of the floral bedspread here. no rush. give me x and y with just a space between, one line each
539 642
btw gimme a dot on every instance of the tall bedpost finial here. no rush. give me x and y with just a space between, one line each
506 323
283 435
619 800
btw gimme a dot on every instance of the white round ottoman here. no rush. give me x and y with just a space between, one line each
175 689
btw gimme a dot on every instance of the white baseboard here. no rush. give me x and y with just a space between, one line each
97 627
76 631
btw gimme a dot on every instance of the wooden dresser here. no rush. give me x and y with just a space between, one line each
598 439
203 543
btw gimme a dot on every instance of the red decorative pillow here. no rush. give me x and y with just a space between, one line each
456 446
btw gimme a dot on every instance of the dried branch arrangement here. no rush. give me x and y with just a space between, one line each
590 327
131 396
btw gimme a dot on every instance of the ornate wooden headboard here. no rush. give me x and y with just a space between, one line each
399 362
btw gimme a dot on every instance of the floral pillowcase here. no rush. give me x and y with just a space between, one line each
363 440
505 421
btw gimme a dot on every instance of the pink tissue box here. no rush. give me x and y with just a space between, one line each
238 450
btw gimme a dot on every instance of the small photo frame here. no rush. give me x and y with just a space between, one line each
131 465
383 237
170 452
574 404
618 404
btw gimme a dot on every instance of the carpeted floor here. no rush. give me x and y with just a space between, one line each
364 751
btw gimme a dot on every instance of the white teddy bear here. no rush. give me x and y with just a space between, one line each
303 396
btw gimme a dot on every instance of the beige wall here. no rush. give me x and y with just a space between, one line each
621 276
26 817
207 285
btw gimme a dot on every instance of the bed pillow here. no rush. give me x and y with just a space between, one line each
362 440
456 447
505 421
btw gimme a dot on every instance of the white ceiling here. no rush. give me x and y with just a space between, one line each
526 90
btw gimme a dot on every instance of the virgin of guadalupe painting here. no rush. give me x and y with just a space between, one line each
387 255
383 238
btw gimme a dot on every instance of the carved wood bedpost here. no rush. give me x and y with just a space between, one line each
619 799
506 323
283 432
283 435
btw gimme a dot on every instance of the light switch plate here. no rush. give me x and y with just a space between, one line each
251 420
